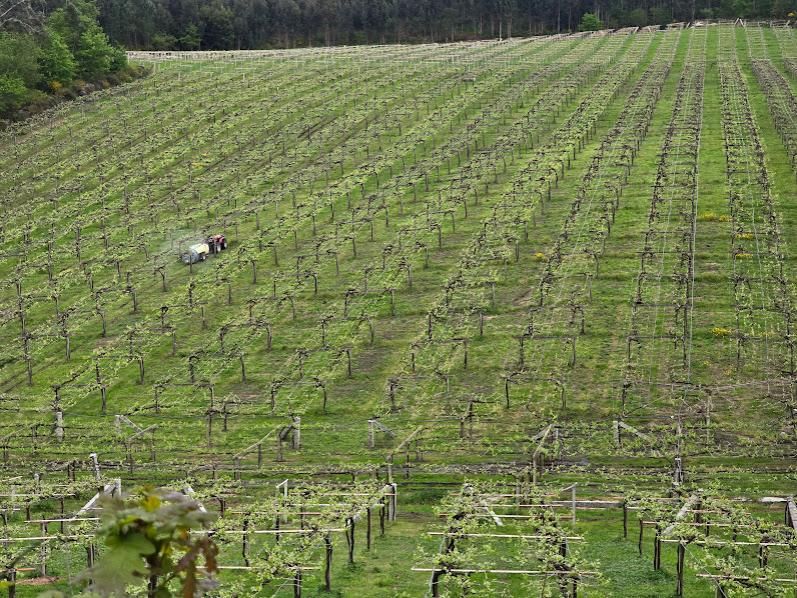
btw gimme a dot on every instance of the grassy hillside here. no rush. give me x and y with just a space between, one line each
516 266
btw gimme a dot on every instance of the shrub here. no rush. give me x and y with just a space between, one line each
12 92
118 59
18 57
95 54
56 62
163 41
68 92
590 22
36 102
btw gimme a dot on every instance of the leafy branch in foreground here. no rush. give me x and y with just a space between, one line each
149 537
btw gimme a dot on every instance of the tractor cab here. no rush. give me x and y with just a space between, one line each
217 243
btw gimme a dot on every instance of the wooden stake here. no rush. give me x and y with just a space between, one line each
328 563
368 528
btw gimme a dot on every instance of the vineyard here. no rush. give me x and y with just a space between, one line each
505 318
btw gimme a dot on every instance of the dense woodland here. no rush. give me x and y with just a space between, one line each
255 24
252 24
50 54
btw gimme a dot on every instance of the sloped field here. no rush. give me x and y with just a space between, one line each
558 271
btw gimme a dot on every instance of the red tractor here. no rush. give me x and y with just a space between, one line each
217 243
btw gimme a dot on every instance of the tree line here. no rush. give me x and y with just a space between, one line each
50 53
257 24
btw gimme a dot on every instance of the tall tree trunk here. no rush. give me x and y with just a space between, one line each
558 16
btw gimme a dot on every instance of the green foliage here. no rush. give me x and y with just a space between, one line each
149 538
781 9
71 22
95 55
76 24
18 57
12 92
163 41
124 564
256 24
56 62
190 40
118 59
637 18
660 15
218 30
743 8
71 45
590 22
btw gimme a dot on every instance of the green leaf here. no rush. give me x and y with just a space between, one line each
121 566
135 542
